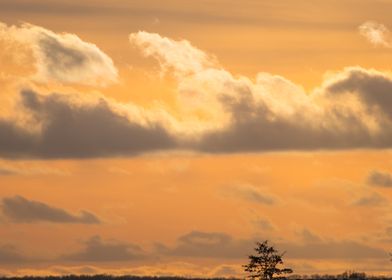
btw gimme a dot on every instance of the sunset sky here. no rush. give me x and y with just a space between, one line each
167 137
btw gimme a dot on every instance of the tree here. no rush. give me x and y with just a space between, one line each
264 264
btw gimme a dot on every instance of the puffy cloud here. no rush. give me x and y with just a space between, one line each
21 210
62 57
349 110
380 179
376 33
98 250
249 193
64 126
178 55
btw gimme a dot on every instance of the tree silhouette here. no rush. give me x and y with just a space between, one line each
264 264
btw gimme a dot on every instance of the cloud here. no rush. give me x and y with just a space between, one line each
309 237
98 250
63 58
28 169
9 254
376 33
344 249
379 179
171 54
371 200
198 244
248 193
65 126
350 110
7 172
18 209
263 224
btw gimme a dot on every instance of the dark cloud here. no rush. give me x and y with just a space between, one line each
70 130
372 88
380 179
20 210
97 250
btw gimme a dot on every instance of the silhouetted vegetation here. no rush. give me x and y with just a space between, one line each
264 265
350 275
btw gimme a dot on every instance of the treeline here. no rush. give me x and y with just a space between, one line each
343 276
107 277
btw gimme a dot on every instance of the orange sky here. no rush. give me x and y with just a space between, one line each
171 151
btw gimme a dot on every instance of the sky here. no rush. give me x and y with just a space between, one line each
168 137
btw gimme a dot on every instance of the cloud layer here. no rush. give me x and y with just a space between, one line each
18 209
98 250
64 126
351 109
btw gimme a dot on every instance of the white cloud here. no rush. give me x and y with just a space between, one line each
349 110
376 33
61 57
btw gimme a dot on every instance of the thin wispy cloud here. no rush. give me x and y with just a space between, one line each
376 33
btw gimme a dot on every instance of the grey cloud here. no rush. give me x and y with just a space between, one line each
20 210
373 89
226 271
350 110
249 193
255 127
380 179
208 245
371 200
98 250
9 254
70 130
6 172
220 245
264 224
177 12
309 237
332 250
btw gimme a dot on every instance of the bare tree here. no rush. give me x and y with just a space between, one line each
264 265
